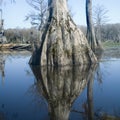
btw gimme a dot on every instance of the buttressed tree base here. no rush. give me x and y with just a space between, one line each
62 43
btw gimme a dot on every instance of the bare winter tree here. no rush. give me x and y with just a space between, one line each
90 27
100 18
38 16
62 43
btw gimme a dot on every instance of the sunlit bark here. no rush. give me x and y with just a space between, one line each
62 43
90 28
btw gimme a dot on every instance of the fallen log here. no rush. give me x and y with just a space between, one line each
15 46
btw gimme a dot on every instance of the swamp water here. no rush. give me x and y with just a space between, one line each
78 93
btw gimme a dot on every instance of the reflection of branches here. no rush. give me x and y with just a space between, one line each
28 72
37 97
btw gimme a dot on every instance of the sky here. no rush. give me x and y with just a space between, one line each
14 14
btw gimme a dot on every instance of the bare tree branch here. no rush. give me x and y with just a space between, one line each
38 16
100 18
100 15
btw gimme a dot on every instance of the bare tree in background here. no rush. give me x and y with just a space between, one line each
100 18
38 16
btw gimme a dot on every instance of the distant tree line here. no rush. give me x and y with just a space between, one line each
108 32
18 35
111 32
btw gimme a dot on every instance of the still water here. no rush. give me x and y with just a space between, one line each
80 93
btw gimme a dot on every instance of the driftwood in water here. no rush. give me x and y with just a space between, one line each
15 46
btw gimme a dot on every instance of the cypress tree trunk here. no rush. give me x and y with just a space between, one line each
90 28
62 43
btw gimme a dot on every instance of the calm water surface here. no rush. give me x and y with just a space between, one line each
79 93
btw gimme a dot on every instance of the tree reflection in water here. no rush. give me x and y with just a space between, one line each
2 66
61 86
2 72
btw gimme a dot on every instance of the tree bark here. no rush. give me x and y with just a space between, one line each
62 43
90 28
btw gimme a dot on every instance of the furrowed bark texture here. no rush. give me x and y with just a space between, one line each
62 42
90 28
